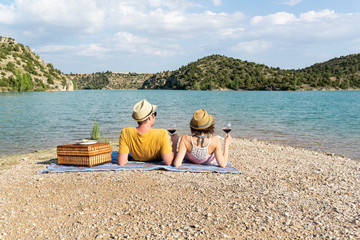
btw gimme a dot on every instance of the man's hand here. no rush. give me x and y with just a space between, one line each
122 158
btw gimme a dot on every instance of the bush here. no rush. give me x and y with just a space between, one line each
4 82
50 80
10 67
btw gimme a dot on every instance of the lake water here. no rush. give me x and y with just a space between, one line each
328 121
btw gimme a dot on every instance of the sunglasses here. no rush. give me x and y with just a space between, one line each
154 114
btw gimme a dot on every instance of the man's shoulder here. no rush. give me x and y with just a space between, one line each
158 131
128 129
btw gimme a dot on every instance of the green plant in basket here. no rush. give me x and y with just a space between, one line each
95 133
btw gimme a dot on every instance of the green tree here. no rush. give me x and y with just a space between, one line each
345 84
23 82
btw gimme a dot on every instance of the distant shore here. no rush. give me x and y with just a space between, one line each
299 90
284 193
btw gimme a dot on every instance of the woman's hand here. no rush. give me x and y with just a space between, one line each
228 139
181 153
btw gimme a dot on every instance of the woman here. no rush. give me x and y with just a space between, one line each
201 147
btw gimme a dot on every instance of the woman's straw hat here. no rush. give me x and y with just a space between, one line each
143 110
201 120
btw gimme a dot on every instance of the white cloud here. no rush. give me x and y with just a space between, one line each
312 16
217 2
121 42
113 29
59 19
55 48
82 49
311 35
7 15
231 32
309 25
129 43
290 2
95 50
163 23
279 18
170 4
82 15
251 47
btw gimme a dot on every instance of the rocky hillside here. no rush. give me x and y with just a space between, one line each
23 70
221 72
110 80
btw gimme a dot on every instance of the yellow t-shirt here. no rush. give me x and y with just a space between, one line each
144 147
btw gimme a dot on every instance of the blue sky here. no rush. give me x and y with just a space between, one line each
86 36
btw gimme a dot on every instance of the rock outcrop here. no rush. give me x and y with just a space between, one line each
23 70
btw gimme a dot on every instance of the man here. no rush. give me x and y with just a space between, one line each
144 142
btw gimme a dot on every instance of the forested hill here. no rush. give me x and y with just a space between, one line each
342 72
221 72
110 80
23 70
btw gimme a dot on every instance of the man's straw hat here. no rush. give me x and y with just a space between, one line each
201 120
143 110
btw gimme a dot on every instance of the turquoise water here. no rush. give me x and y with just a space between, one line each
324 120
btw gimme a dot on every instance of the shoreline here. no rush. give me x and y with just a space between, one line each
284 193
288 142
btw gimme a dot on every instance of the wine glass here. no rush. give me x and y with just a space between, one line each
172 128
227 128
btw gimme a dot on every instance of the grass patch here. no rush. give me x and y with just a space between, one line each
40 155
46 154
7 161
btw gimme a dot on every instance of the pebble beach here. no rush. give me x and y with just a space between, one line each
283 193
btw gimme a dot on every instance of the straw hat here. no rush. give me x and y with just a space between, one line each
143 110
201 120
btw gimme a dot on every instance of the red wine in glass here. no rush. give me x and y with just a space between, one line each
172 128
172 131
227 128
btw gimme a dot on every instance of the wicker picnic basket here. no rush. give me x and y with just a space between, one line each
84 155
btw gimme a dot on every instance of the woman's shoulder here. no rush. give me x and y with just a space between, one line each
185 137
215 140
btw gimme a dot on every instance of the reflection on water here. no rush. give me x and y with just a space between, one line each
328 121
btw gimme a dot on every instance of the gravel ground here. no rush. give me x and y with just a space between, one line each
284 193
